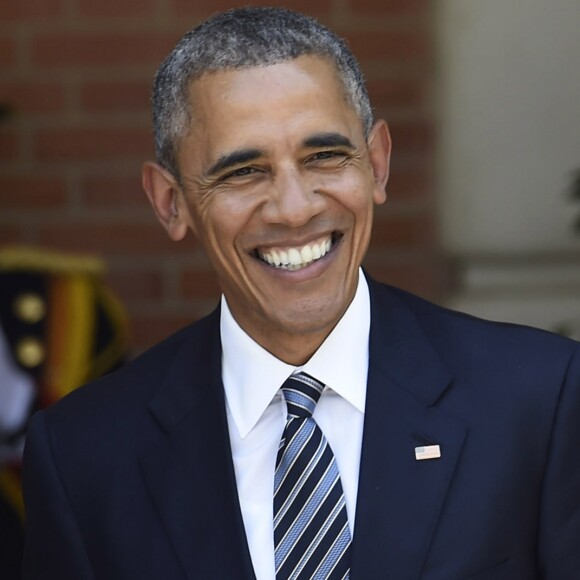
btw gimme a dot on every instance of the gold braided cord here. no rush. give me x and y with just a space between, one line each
10 490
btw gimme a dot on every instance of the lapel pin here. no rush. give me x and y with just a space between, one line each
427 452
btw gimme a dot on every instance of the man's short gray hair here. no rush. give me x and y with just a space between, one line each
240 38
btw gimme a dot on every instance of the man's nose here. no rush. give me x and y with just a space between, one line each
293 199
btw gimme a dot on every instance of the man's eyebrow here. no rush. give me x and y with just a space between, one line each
232 159
328 140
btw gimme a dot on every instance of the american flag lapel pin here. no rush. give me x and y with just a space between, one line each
427 452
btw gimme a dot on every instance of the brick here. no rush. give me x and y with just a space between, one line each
200 284
7 51
396 93
411 137
409 185
389 46
133 285
149 330
427 277
30 97
10 235
128 96
390 7
111 50
118 239
83 144
102 190
203 8
8 144
115 8
31 10
24 192
413 231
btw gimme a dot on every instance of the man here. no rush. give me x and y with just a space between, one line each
450 442
60 327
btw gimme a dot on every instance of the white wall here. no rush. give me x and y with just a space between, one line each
510 124
509 96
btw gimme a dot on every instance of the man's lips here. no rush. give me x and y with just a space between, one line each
297 257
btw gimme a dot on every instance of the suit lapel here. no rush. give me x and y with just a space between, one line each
190 475
189 472
399 498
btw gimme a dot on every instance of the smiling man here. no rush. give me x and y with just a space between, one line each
277 179
317 424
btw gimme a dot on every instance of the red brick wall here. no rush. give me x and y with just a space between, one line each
77 74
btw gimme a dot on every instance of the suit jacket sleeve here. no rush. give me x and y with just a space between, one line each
54 546
559 533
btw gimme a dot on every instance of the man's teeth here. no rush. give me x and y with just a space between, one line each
296 258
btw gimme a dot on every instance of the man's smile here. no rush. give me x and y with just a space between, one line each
297 257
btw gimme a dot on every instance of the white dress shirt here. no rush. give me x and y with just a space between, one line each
256 414
16 398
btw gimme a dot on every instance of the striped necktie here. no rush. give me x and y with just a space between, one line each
311 533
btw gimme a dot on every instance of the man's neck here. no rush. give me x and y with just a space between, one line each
293 346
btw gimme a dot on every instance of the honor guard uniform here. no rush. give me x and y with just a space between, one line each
60 327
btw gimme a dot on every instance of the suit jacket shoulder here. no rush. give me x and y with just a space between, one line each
127 392
463 341
501 403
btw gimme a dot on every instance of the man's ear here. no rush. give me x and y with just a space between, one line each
379 145
165 196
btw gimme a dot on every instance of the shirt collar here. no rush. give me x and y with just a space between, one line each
252 376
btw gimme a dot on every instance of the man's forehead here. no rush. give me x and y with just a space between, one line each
272 109
320 60
212 80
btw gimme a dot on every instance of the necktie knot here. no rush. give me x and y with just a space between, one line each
301 392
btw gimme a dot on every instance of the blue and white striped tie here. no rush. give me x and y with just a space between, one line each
311 533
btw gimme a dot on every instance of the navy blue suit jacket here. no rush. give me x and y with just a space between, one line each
132 477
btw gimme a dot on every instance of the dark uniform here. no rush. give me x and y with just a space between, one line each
62 328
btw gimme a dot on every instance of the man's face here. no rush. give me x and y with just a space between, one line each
279 185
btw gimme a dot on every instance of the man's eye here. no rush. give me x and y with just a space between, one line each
241 172
324 155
